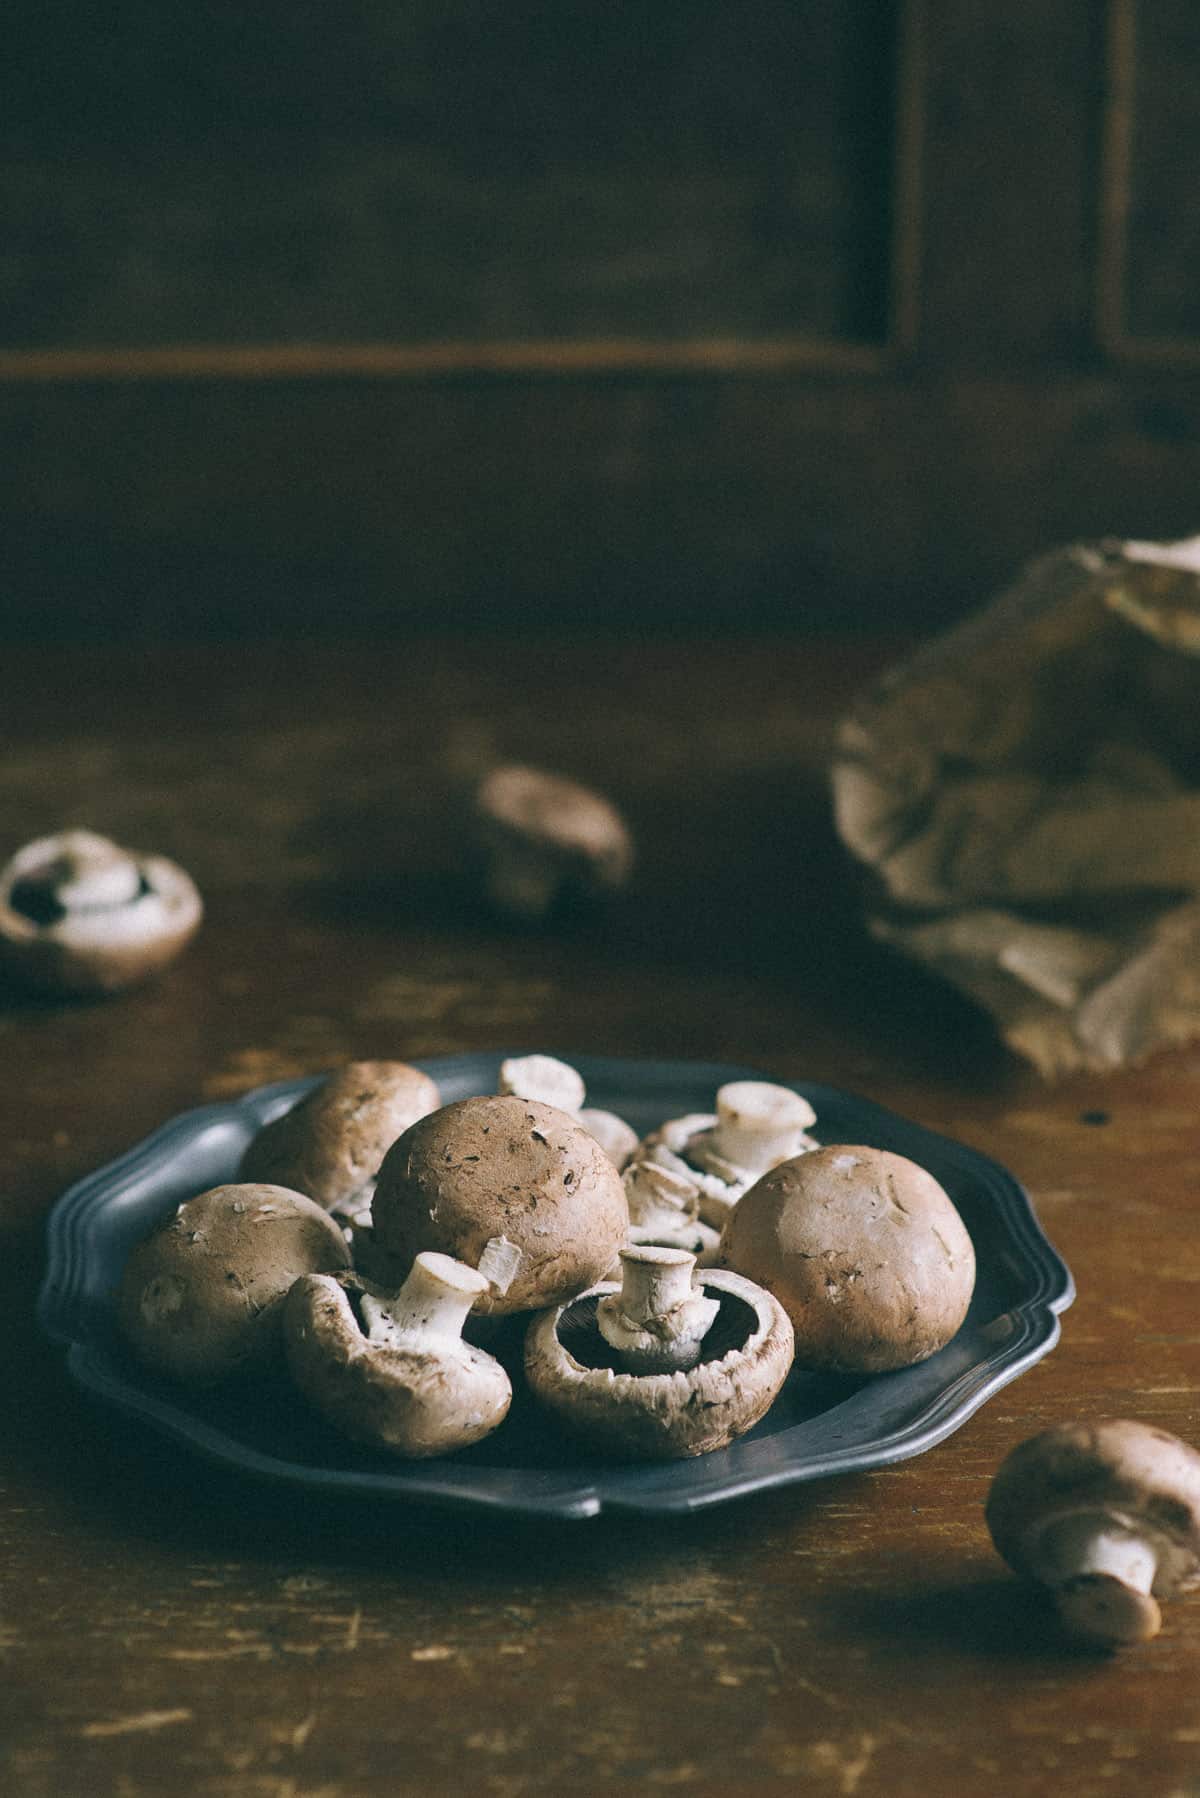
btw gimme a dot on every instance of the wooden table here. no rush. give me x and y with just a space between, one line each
166 1630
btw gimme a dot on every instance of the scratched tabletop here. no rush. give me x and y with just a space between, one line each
173 1628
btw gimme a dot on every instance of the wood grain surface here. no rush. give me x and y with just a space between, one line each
167 1629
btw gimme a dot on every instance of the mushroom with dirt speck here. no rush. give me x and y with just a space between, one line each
543 837
557 1083
79 914
1107 1516
395 1372
864 1249
660 1369
498 1166
200 1297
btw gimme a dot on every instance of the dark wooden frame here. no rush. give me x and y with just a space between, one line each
1116 186
564 357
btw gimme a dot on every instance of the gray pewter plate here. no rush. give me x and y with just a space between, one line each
821 1424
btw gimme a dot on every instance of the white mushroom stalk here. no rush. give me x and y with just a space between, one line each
1102 1576
89 874
431 1307
756 1126
658 1321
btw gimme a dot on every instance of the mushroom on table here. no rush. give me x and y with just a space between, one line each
544 837
1107 1517
80 914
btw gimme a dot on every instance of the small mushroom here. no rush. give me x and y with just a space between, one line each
544 837
1107 1516
756 1125
331 1144
557 1083
726 1346
864 1249
395 1372
200 1298
78 914
499 1166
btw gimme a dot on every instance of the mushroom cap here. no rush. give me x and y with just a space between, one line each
662 1416
1127 1474
864 1249
411 1401
100 947
560 818
331 1144
200 1297
502 1166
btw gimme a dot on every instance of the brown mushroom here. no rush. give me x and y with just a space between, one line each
78 914
1107 1516
331 1144
864 1249
499 1166
720 1154
543 837
200 1297
725 1346
395 1372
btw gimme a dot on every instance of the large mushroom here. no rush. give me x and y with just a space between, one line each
1107 1516
497 1167
331 1144
200 1297
544 837
79 914
864 1249
395 1372
664 1366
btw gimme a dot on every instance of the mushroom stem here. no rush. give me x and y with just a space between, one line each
759 1125
658 1320
432 1304
654 1281
1102 1578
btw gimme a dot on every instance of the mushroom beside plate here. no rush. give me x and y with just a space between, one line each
821 1424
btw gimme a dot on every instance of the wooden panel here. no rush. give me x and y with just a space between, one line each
455 171
1149 300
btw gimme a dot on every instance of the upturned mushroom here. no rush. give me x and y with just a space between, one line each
395 1372
755 1126
501 1167
330 1145
557 1083
1107 1517
200 1298
664 1210
864 1249
78 914
661 1369
544 838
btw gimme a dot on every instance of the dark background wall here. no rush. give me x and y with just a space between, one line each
412 313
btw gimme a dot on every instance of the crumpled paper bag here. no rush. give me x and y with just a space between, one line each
1025 791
